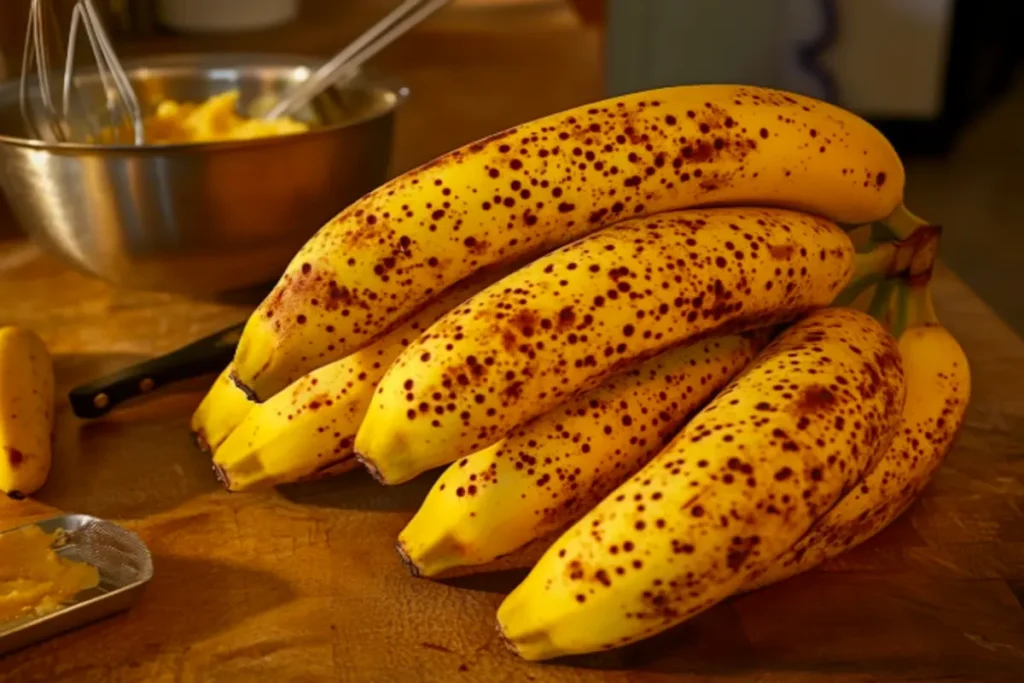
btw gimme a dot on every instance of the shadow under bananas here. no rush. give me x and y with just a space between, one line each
357 490
164 624
136 461
710 643
861 626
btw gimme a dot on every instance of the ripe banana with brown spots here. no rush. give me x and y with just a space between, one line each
563 323
938 383
739 485
528 189
557 467
307 430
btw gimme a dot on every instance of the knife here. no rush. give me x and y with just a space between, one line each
207 355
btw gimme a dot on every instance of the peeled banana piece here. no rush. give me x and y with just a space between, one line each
26 412
739 485
555 468
528 189
563 323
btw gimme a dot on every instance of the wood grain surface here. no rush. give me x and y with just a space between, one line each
304 584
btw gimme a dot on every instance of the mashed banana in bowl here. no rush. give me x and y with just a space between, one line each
215 119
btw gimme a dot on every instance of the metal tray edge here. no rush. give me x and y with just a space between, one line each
80 611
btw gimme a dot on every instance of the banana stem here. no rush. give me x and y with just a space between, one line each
903 223
864 237
912 257
881 233
877 262
923 259
905 265
857 287
902 309
879 306
920 307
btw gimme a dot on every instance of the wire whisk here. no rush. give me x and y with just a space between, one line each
71 115
344 66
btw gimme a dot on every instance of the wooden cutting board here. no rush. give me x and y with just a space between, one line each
304 584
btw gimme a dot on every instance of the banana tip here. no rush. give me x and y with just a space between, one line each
509 645
414 570
249 392
371 468
199 436
222 476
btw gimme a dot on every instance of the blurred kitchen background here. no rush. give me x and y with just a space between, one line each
940 77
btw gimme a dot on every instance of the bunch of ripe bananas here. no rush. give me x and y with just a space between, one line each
637 328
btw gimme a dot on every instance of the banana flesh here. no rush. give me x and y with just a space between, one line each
561 324
26 412
526 190
557 467
307 430
739 485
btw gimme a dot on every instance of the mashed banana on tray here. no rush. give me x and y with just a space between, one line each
214 119
34 580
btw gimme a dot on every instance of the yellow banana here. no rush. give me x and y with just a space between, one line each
26 412
526 190
554 469
307 430
938 389
220 411
743 480
564 322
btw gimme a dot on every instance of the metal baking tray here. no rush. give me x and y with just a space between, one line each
124 564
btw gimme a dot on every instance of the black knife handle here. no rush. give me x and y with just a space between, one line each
209 354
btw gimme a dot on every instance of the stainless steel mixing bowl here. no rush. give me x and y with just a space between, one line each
201 219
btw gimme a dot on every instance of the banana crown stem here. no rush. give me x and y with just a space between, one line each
903 223
881 300
912 256
920 309
878 262
900 272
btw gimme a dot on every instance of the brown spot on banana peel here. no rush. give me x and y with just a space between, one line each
14 457
815 399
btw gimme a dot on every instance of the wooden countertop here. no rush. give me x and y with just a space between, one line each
304 584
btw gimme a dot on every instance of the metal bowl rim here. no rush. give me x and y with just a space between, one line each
226 60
